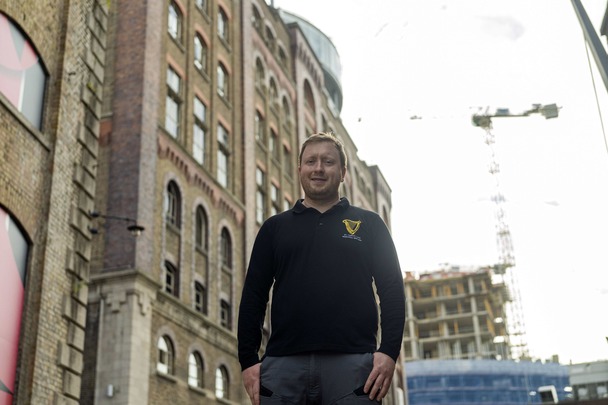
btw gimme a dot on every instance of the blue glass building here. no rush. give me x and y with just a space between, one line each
494 382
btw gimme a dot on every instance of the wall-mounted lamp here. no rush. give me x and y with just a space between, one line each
133 226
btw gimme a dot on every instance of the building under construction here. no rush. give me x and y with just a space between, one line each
456 314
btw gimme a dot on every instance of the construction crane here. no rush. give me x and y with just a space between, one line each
505 268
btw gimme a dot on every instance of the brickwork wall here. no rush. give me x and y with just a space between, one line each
190 331
49 190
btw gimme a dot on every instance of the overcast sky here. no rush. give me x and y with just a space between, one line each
443 61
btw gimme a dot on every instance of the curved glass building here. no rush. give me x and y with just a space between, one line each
327 54
483 382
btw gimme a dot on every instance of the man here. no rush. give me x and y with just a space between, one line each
324 257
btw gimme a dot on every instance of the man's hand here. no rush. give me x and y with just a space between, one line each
251 381
379 380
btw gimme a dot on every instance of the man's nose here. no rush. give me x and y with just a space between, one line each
319 167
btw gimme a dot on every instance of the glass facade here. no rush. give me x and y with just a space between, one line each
482 381
325 50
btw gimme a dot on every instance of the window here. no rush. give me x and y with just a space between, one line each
195 370
23 78
222 81
200 298
200 229
171 279
260 132
202 5
309 99
256 20
282 57
200 53
221 382
287 163
274 94
270 40
286 204
175 22
260 196
173 102
275 147
166 354
173 201
222 25
225 314
260 75
198 141
274 197
226 249
286 109
222 155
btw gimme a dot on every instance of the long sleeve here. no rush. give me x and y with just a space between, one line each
254 299
389 283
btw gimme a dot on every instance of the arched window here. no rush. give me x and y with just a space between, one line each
226 249
222 81
221 382
22 73
195 370
270 39
174 24
171 279
222 25
166 355
200 231
309 99
200 53
256 19
173 203
200 298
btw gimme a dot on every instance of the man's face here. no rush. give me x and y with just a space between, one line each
321 171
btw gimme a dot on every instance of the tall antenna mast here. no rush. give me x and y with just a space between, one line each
505 267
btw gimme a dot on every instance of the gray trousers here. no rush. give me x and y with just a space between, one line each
316 378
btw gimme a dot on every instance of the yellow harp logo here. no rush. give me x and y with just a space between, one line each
351 226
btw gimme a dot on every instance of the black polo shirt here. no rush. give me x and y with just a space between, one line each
322 266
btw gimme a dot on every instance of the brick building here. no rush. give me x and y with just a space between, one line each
185 118
51 68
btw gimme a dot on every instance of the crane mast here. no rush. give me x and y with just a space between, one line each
505 270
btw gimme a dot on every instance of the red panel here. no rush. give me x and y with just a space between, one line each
11 304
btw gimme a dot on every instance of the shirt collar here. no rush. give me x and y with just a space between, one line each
299 207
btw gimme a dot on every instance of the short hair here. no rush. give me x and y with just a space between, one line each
325 137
